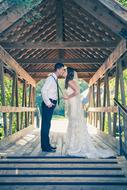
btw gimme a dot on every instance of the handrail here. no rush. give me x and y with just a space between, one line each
124 110
121 106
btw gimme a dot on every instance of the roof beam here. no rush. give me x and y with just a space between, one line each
15 14
50 71
104 14
114 56
70 61
44 76
59 45
7 59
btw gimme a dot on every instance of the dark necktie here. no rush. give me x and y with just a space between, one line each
58 93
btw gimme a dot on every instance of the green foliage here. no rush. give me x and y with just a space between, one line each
27 3
123 2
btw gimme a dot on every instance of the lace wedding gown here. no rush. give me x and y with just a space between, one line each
78 140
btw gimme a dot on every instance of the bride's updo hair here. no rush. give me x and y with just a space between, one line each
70 76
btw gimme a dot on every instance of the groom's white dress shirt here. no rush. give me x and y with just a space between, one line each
49 90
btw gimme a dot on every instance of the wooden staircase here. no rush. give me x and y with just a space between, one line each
62 173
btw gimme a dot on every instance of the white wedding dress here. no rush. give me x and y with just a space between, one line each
78 141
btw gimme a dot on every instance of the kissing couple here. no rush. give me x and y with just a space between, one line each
78 141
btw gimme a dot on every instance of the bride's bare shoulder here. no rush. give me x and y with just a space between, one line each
72 84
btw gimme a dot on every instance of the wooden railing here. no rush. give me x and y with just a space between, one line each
96 116
113 109
22 108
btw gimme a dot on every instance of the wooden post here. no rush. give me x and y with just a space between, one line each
93 104
116 97
98 116
12 102
96 105
33 103
123 98
25 100
17 104
3 97
89 113
29 103
108 103
104 104
23 104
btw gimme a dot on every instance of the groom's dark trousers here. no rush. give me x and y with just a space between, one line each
46 124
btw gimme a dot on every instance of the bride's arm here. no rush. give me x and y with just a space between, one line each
72 84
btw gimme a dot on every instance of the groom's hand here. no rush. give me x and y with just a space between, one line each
50 105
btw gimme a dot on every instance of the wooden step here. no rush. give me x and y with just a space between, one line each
61 172
63 187
65 179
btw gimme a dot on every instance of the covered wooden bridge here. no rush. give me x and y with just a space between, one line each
88 35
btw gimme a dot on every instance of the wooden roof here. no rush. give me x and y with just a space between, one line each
61 31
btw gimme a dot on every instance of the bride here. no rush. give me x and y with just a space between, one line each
78 140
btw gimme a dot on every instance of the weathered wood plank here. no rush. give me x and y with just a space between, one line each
29 103
9 109
108 103
123 98
33 104
98 103
67 61
12 103
17 104
114 56
11 139
116 97
23 104
113 109
104 105
6 58
59 45
87 70
3 97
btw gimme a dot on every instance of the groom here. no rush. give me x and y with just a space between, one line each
50 95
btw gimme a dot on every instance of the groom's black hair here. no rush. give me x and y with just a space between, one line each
58 66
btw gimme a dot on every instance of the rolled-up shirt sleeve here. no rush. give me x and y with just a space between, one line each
44 90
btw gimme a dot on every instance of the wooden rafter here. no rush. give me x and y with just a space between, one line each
68 61
114 56
60 45
103 14
7 59
49 71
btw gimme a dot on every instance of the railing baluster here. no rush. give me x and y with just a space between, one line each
120 133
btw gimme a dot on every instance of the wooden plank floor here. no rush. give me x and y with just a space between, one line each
29 144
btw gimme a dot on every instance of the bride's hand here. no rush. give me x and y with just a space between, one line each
65 97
